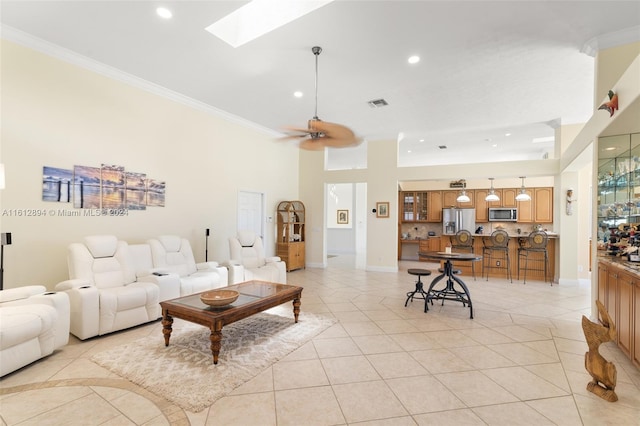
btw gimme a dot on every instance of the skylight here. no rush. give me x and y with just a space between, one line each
259 17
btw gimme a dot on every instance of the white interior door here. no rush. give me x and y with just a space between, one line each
251 212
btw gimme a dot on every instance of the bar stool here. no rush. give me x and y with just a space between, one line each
419 291
534 246
463 241
498 244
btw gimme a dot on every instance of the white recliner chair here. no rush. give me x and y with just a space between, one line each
248 261
33 323
173 254
103 290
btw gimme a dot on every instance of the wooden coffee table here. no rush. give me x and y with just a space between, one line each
255 297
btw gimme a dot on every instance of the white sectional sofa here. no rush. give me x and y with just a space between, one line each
33 323
248 261
103 290
171 253
114 285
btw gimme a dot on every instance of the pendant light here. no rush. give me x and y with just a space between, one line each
522 195
492 196
463 197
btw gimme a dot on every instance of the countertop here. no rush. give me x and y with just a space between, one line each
524 235
620 262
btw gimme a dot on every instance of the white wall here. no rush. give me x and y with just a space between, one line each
58 114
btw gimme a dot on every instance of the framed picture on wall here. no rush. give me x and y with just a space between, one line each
382 209
343 217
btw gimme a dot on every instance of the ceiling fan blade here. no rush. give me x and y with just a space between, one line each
323 134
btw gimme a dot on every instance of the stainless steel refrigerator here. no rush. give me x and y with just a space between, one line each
454 220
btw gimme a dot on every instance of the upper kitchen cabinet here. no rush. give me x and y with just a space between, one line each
434 206
543 205
414 206
525 208
508 197
449 199
482 206
619 179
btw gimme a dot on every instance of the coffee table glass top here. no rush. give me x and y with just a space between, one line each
249 292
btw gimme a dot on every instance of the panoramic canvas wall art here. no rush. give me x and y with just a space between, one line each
105 187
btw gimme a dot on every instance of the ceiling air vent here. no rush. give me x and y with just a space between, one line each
442 146
377 103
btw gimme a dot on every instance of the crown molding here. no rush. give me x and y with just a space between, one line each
612 39
27 40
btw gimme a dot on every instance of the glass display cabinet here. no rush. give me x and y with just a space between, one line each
290 237
619 180
414 206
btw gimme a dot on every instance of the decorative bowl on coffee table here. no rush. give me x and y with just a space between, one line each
219 297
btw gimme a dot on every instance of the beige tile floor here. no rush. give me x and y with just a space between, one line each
518 362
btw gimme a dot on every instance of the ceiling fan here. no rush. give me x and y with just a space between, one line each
320 134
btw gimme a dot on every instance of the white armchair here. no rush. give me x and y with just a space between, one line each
102 289
248 261
33 323
173 254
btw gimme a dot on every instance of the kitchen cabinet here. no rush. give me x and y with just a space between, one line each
624 306
429 244
543 205
508 197
434 206
611 290
635 357
619 292
602 283
525 208
482 206
414 206
449 199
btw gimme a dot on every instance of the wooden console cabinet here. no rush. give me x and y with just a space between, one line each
619 292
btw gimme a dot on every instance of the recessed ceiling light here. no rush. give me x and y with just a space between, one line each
414 59
298 94
507 134
421 140
495 145
163 12
611 148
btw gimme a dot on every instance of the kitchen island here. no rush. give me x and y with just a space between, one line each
465 267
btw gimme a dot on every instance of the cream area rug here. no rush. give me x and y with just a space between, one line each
184 373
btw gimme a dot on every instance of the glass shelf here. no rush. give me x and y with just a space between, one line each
619 180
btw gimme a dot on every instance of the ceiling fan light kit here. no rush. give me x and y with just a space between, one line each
320 134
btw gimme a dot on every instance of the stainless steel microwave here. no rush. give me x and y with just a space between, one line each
503 214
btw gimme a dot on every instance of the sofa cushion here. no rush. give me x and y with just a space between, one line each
101 245
18 293
171 243
19 324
